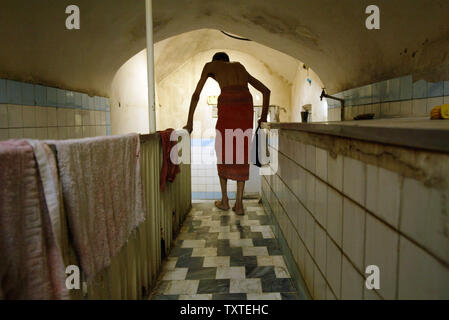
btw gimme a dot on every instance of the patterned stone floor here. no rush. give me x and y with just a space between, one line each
222 256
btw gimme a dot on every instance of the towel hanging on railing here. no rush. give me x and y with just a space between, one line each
103 195
169 170
31 264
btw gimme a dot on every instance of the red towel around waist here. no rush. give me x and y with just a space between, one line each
169 170
235 111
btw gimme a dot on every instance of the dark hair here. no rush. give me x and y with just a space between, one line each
221 56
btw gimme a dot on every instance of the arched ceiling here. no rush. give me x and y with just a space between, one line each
173 52
328 35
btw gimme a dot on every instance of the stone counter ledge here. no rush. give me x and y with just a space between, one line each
416 133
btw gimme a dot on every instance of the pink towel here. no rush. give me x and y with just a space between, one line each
103 195
31 265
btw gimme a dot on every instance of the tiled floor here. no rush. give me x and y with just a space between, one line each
219 255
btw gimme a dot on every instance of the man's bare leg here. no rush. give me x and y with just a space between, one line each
223 204
238 207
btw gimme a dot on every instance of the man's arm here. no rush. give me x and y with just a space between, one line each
266 96
196 97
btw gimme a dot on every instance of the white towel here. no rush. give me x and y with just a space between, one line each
103 195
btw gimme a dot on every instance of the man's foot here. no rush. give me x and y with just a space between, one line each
238 210
222 205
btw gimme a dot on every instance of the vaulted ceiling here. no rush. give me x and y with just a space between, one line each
173 52
328 35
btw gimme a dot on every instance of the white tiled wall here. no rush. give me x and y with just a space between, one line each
400 97
333 266
36 122
406 108
335 215
205 181
39 112
381 250
340 214
354 232
383 193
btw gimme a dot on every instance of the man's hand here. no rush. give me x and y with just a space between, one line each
189 128
261 120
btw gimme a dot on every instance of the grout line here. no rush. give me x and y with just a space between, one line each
401 185
342 229
341 249
302 280
440 260
300 238
365 168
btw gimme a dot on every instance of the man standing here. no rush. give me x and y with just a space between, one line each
234 124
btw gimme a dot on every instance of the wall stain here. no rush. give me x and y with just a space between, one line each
275 74
430 168
160 22
275 25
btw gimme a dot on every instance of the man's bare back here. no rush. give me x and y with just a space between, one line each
227 73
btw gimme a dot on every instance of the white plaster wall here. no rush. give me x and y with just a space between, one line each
304 93
130 90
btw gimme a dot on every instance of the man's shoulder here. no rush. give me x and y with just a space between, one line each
209 65
239 64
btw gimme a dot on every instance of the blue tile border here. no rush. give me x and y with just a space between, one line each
27 92
397 89
23 93
40 95
52 100
420 89
366 95
97 103
85 101
3 92
376 93
91 101
406 84
435 89
69 99
383 91
13 89
78 100
60 98
394 89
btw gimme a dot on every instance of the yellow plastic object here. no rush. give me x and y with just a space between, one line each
445 111
435 113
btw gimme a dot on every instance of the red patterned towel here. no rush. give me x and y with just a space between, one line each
169 170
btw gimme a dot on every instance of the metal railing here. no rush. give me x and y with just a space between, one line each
133 273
